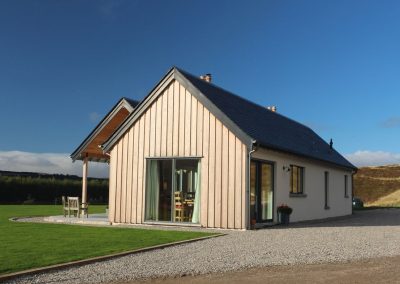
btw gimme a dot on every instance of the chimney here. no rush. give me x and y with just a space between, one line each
331 144
272 108
206 77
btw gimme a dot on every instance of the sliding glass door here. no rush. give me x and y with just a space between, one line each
173 190
261 190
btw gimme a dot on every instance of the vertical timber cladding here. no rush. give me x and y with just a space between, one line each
177 124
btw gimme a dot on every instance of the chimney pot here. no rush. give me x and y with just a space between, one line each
207 77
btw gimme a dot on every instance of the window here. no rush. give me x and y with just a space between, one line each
296 180
173 190
326 190
346 186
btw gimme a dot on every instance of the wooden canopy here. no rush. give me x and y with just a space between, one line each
90 147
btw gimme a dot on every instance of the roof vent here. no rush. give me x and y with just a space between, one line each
272 108
206 77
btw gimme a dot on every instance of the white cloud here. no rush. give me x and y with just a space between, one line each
373 158
391 122
51 163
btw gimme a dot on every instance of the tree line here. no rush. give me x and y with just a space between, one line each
47 189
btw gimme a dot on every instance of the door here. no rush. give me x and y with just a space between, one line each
261 191
173 190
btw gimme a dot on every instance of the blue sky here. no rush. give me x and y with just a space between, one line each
332 65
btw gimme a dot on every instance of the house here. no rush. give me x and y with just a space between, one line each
192 153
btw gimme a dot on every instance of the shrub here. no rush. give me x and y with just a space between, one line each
285 209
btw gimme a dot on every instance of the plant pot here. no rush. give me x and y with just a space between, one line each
284 218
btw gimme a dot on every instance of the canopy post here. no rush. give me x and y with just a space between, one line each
84 180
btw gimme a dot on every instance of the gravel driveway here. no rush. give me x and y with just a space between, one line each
366 234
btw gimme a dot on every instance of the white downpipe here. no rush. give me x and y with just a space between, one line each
248 185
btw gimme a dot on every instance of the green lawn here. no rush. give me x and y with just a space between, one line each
30 245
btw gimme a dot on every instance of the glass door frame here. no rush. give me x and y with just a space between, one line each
259 163
173 185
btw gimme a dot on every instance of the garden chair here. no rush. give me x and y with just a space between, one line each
74 206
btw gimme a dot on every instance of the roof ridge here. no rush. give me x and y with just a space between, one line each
242 98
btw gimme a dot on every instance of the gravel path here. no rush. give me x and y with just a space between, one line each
366 234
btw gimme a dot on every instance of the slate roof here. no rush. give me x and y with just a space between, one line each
270 129
132 102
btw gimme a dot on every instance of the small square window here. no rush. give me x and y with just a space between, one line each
296 180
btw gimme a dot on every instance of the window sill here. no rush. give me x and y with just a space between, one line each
297 195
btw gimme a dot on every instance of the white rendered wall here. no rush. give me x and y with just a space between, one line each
312 206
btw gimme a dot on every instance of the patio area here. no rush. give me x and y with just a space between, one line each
92 219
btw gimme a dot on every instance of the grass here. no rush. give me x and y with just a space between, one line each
31 245
378 186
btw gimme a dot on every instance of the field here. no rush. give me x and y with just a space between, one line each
30 245
378 186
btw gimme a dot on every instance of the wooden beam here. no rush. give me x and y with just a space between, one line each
84 179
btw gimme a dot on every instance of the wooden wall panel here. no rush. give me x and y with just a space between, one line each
218 177
170 113
124 178
157 151
164 125
193 128
224 177
231 180
152 140
118 204
200 129
134 189
211 173
188 108
146 153
139 216
129 179
238 184
177 124
181 112
204 170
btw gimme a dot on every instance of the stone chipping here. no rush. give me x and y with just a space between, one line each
366 234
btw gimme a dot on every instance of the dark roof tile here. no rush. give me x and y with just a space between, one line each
269 129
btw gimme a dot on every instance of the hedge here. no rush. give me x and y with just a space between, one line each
48 190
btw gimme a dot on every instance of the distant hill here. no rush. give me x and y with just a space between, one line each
378 186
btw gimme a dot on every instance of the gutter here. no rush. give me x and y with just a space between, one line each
252 150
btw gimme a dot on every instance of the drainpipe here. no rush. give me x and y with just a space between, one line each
352 188
252 150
